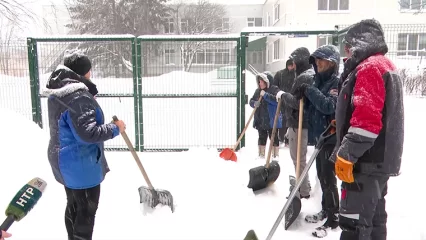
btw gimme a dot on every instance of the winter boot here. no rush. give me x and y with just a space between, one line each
331 223
276 152
317 217
262 151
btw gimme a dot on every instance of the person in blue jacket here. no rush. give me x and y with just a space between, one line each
265 113
76 147
321 98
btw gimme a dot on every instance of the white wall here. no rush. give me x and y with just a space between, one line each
238 15
305 13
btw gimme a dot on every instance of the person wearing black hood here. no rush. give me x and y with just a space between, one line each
320 104
369 131
284 80
304 74
76 147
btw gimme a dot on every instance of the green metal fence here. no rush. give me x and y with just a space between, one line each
176 92
14 85
190 91
173 92
296 38
113 60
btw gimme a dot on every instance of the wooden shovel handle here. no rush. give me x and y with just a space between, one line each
245 128
274 131
135 155
299 138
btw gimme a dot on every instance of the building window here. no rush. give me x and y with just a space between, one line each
269 53
254 22
333 5
225 25
254 58
277 50
325 40
169 56
412 4
184 25
212 56
169 26
412 44
268 18
276 12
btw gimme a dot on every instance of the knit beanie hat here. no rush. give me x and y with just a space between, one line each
77 61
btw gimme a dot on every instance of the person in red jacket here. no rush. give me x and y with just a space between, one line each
370 132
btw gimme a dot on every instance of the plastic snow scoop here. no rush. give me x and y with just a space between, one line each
228 153
264 176
296 204
325 137
152 197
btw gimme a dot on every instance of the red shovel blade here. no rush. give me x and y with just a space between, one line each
228 154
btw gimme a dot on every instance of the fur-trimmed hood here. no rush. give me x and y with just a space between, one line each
64 81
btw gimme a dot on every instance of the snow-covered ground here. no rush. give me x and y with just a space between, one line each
211 195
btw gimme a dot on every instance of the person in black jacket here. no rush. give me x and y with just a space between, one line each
369 132
77 135
304 74
265 113
284 80
320 104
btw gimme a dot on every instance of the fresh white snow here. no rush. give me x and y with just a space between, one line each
211 195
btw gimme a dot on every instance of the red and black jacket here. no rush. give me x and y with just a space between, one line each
370 111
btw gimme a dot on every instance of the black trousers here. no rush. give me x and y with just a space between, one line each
363 208
263 137
328 181
80 212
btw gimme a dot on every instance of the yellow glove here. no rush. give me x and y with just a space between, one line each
344 170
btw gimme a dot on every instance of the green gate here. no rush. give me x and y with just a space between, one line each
274 32
113 60
190 91
173 92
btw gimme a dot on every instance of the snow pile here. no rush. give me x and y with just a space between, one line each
24 156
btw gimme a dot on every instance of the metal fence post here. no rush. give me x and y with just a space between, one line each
34 81
139 93
243 100
135 92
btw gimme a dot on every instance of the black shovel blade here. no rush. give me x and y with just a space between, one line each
152 197
292 212
251 235
262 177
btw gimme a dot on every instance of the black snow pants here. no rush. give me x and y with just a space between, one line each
328 181
363 208
80 212
263 137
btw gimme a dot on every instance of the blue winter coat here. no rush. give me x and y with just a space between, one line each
77 131
268 103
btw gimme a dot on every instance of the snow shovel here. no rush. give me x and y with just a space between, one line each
228 153
325 137
264 176
152 197
296 205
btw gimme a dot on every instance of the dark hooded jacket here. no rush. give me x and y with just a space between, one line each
77 131
370 111
265 113
321 97
284 78
304 74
